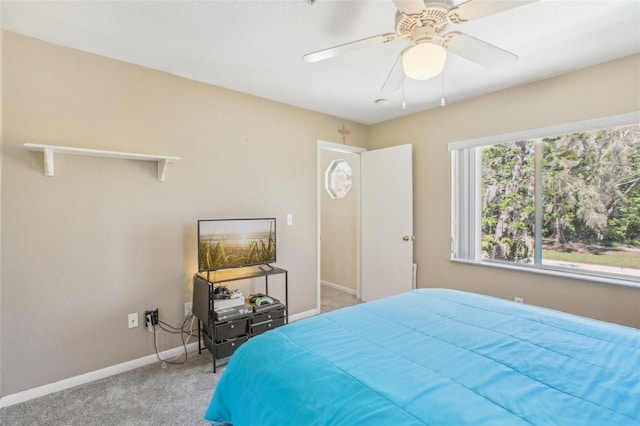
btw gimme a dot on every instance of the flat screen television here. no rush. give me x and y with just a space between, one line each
235 243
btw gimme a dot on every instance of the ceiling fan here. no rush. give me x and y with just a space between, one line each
424 23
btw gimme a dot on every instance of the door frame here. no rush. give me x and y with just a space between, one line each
333 146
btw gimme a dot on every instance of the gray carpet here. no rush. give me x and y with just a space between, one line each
335 299
150 395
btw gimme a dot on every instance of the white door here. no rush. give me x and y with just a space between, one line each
387 221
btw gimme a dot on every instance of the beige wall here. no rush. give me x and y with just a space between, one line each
1 144
607 89
339 226
103 237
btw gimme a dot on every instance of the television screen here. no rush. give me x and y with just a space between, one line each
235 243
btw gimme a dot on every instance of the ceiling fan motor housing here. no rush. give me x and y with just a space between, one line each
426 25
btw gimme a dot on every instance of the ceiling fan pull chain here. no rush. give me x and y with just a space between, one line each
404 104
442 101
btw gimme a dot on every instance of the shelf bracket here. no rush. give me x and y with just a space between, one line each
162 169
48 162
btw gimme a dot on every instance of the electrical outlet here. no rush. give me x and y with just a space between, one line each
151 317
518 299
187 308
132 319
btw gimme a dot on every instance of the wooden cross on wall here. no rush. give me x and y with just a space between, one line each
344 132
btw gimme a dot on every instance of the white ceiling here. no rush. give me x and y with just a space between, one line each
256 47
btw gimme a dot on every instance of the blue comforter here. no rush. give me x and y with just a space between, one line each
437 357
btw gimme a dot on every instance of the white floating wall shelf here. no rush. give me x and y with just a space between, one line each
49 150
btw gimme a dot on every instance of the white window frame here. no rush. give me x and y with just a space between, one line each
466 199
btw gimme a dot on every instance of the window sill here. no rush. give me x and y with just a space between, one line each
557 272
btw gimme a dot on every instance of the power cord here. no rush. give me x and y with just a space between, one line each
174 330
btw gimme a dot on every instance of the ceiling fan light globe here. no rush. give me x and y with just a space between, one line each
423 61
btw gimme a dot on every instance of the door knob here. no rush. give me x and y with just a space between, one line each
407 238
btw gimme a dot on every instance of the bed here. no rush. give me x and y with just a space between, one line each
437 357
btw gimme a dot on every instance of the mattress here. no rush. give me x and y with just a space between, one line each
436 357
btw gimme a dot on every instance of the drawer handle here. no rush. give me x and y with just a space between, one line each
269 316
233 344
232 325
269 325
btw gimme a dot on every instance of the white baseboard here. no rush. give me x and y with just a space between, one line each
43 390
23 396
303 315
339 287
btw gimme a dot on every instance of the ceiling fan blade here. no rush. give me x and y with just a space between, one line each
475 9
394 78
332 52
409 7
479 51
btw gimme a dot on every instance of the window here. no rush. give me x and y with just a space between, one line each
563 199
337 179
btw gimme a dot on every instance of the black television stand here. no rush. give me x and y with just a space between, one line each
222 332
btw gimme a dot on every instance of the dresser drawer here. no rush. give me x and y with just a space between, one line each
231 329
266 326
228 347
267 316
